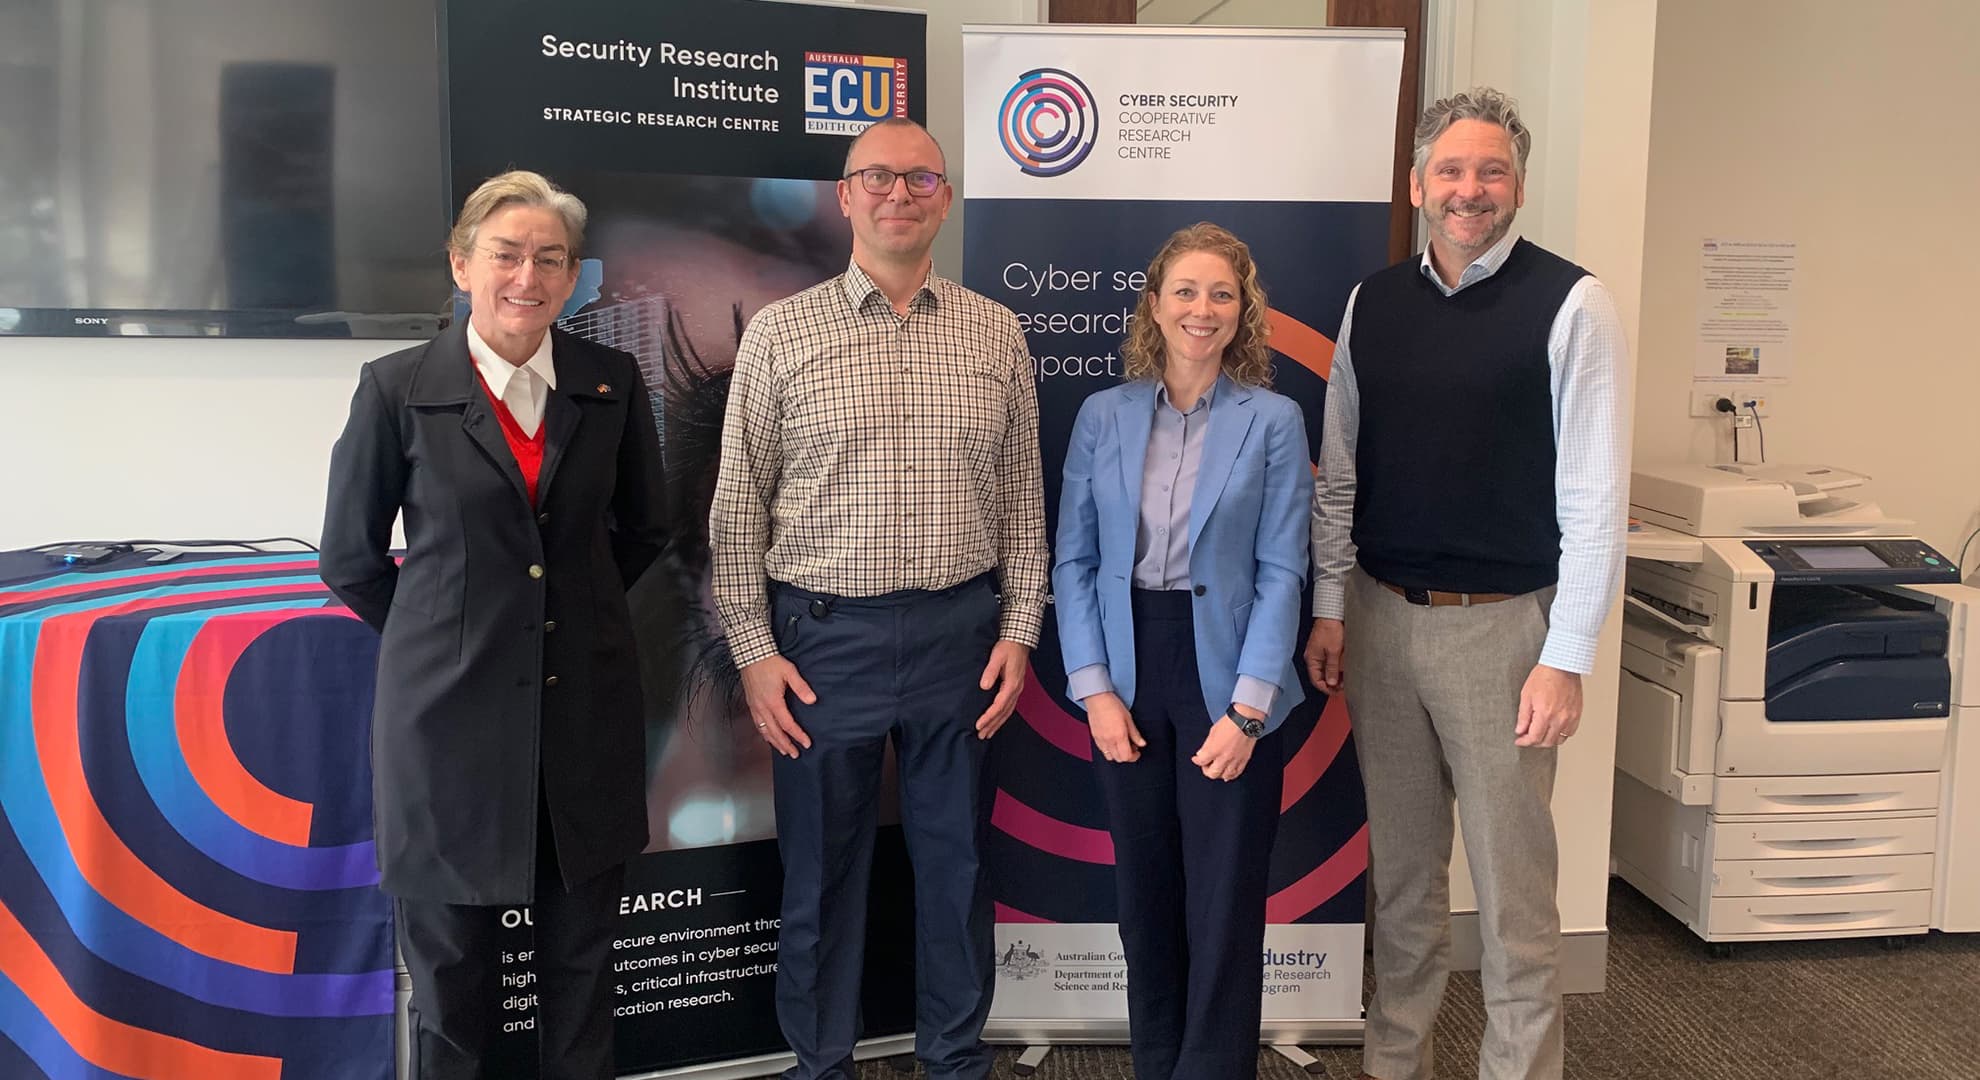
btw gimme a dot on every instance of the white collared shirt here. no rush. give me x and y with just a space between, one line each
497 372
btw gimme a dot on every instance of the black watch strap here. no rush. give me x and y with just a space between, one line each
1253 729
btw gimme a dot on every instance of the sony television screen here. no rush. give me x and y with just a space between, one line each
251 168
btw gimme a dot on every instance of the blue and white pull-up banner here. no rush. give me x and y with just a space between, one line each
1085 147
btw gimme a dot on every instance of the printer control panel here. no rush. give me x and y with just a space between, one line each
1855 562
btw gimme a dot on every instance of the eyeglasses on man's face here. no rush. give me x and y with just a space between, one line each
921 183
548 264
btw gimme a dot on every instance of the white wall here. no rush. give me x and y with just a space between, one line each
156 438
1847 128
165 438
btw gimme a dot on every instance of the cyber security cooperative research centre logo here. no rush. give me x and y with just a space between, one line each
1047 122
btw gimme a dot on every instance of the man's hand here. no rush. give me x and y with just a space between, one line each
1009 661
765 683
1113 727
1549 707
1326 654
1227 749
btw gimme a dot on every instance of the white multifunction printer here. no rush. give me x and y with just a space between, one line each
1798 728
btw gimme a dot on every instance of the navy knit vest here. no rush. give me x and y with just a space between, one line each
1454 458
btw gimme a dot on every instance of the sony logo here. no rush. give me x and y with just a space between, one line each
92 320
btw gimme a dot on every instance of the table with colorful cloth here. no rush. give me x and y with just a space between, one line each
187 882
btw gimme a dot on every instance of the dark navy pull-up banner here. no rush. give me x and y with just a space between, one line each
706 139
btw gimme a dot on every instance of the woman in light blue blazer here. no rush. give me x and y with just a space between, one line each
1181 553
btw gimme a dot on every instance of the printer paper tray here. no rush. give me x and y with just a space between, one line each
1817 916
1801 877
1832 838
1825 794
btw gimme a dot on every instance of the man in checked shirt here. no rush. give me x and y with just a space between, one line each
878 538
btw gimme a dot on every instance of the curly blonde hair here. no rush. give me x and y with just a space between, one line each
1247 360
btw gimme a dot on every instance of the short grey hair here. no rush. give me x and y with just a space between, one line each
517 187
1478 103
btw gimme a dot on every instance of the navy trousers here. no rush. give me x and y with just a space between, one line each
1191 857
903 666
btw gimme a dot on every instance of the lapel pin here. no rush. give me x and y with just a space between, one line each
604 388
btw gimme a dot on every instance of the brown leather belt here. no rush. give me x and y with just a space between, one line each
1437 598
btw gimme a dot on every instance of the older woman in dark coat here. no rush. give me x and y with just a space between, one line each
507 741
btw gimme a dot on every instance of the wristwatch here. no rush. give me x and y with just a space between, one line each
1253 729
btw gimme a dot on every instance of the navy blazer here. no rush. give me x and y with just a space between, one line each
1248 529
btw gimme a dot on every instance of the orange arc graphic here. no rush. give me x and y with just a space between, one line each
110 867
202 724
109 1044
1300 343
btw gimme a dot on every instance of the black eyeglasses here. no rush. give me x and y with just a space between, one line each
877 181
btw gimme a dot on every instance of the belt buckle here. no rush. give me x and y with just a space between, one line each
1417 596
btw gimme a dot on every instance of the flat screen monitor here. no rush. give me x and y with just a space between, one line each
255 168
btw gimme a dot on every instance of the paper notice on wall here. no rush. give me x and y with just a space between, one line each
1745 310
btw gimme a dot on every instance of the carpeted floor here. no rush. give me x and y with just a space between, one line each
1814 1010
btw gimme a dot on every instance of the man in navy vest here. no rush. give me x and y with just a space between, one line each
1468 531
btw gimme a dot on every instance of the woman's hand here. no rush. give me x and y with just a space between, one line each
1227 750
1113 727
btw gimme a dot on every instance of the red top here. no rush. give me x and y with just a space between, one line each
528 449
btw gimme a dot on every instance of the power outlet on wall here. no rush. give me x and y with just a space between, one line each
1705 402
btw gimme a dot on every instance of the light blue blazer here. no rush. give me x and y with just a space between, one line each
1248 529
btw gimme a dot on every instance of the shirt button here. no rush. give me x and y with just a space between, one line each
549 626
535 571
1199 590
1173 457
551 681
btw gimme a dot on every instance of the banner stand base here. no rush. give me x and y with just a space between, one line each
772 1064
1297 1054
1034 1056
1028 1062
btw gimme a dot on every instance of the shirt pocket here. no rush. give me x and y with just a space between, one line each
975 402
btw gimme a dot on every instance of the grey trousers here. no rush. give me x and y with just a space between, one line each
1433 695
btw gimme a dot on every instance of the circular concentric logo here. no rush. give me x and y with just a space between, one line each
1047 122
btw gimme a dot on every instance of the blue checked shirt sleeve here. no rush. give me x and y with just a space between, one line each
1333 488
1590 364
